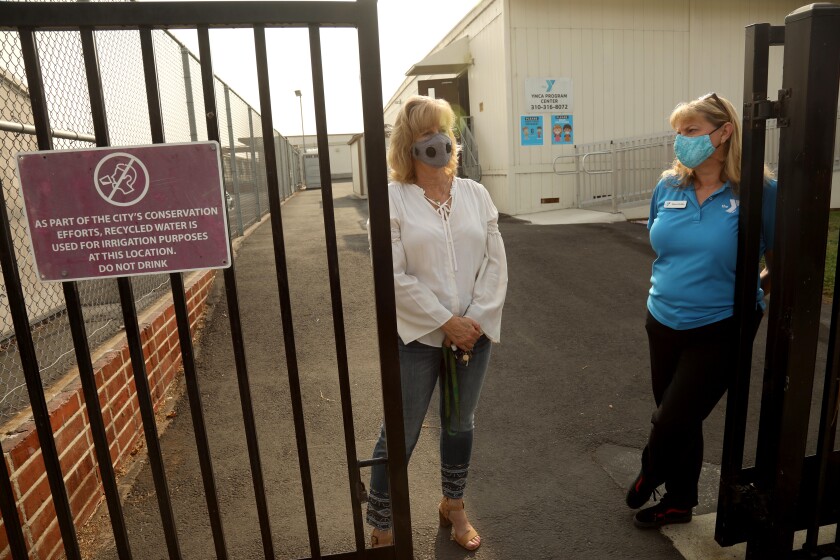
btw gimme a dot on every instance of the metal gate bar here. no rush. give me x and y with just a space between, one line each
828 420
8 508
258 15
758 42
335 284
29 359
786 491
92 404
809 102
383 275
156 120
182 319
129 312
282 281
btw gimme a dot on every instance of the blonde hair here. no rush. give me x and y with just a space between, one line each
418 115
718 111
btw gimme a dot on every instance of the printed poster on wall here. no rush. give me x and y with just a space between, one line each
562 129
548 95
531 130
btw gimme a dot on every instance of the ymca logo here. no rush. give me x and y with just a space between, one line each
549 84
733 205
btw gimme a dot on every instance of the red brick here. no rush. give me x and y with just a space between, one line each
24 449
28 476
127 440
79 473
48 536
4 539
114 385
123 416
69 432
117 404
63 407
42 520
88 489
114 450
165 363
159 339
172 324
74 454
39 494
151 362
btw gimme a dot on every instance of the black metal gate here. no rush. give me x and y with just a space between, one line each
28 19
785 491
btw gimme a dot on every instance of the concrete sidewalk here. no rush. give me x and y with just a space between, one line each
565 409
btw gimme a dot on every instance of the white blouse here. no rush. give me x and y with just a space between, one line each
446 263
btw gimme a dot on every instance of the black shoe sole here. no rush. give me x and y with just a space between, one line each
634 499
656 524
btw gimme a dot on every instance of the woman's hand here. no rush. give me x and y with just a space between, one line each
461 331
765 274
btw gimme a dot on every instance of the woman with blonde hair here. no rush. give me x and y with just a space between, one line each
692 335
450 281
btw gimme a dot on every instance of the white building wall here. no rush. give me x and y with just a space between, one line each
631 62
488 95
339 151
488 100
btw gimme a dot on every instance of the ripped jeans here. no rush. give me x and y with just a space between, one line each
420 367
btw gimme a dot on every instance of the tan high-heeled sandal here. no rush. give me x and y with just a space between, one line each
444 509
379 537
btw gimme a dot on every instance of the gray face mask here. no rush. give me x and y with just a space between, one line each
436 150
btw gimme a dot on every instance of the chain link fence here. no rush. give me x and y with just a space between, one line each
243 161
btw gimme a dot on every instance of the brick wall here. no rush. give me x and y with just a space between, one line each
68 416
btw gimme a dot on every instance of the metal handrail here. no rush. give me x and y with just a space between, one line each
554 165
583 164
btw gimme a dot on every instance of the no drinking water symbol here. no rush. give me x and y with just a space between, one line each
121 179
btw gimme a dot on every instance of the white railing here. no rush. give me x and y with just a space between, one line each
625 171
469 149
617 171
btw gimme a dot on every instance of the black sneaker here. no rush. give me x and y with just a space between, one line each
663 513
639 492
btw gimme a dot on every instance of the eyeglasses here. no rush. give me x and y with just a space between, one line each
712 95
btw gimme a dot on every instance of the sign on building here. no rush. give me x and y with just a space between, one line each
562 129
531 130
108 212
548 95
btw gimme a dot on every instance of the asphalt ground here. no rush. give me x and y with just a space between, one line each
564 412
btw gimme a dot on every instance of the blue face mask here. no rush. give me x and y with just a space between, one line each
436 150
694 150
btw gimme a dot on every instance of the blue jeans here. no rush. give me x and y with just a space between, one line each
420 367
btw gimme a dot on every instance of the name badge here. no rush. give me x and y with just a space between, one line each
675 203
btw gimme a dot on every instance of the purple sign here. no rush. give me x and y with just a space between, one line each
124 211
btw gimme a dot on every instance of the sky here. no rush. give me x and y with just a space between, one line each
408 31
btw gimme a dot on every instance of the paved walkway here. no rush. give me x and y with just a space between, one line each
564 412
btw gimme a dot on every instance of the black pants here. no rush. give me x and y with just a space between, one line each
690 370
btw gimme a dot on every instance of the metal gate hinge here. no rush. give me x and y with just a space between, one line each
759 110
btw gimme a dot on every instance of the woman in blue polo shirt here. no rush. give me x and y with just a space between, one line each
692 335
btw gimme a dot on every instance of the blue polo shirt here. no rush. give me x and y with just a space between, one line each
693 277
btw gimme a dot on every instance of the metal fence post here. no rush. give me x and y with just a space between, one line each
757 51
613 178
254 166
577 177
807 116
232 155
185 59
